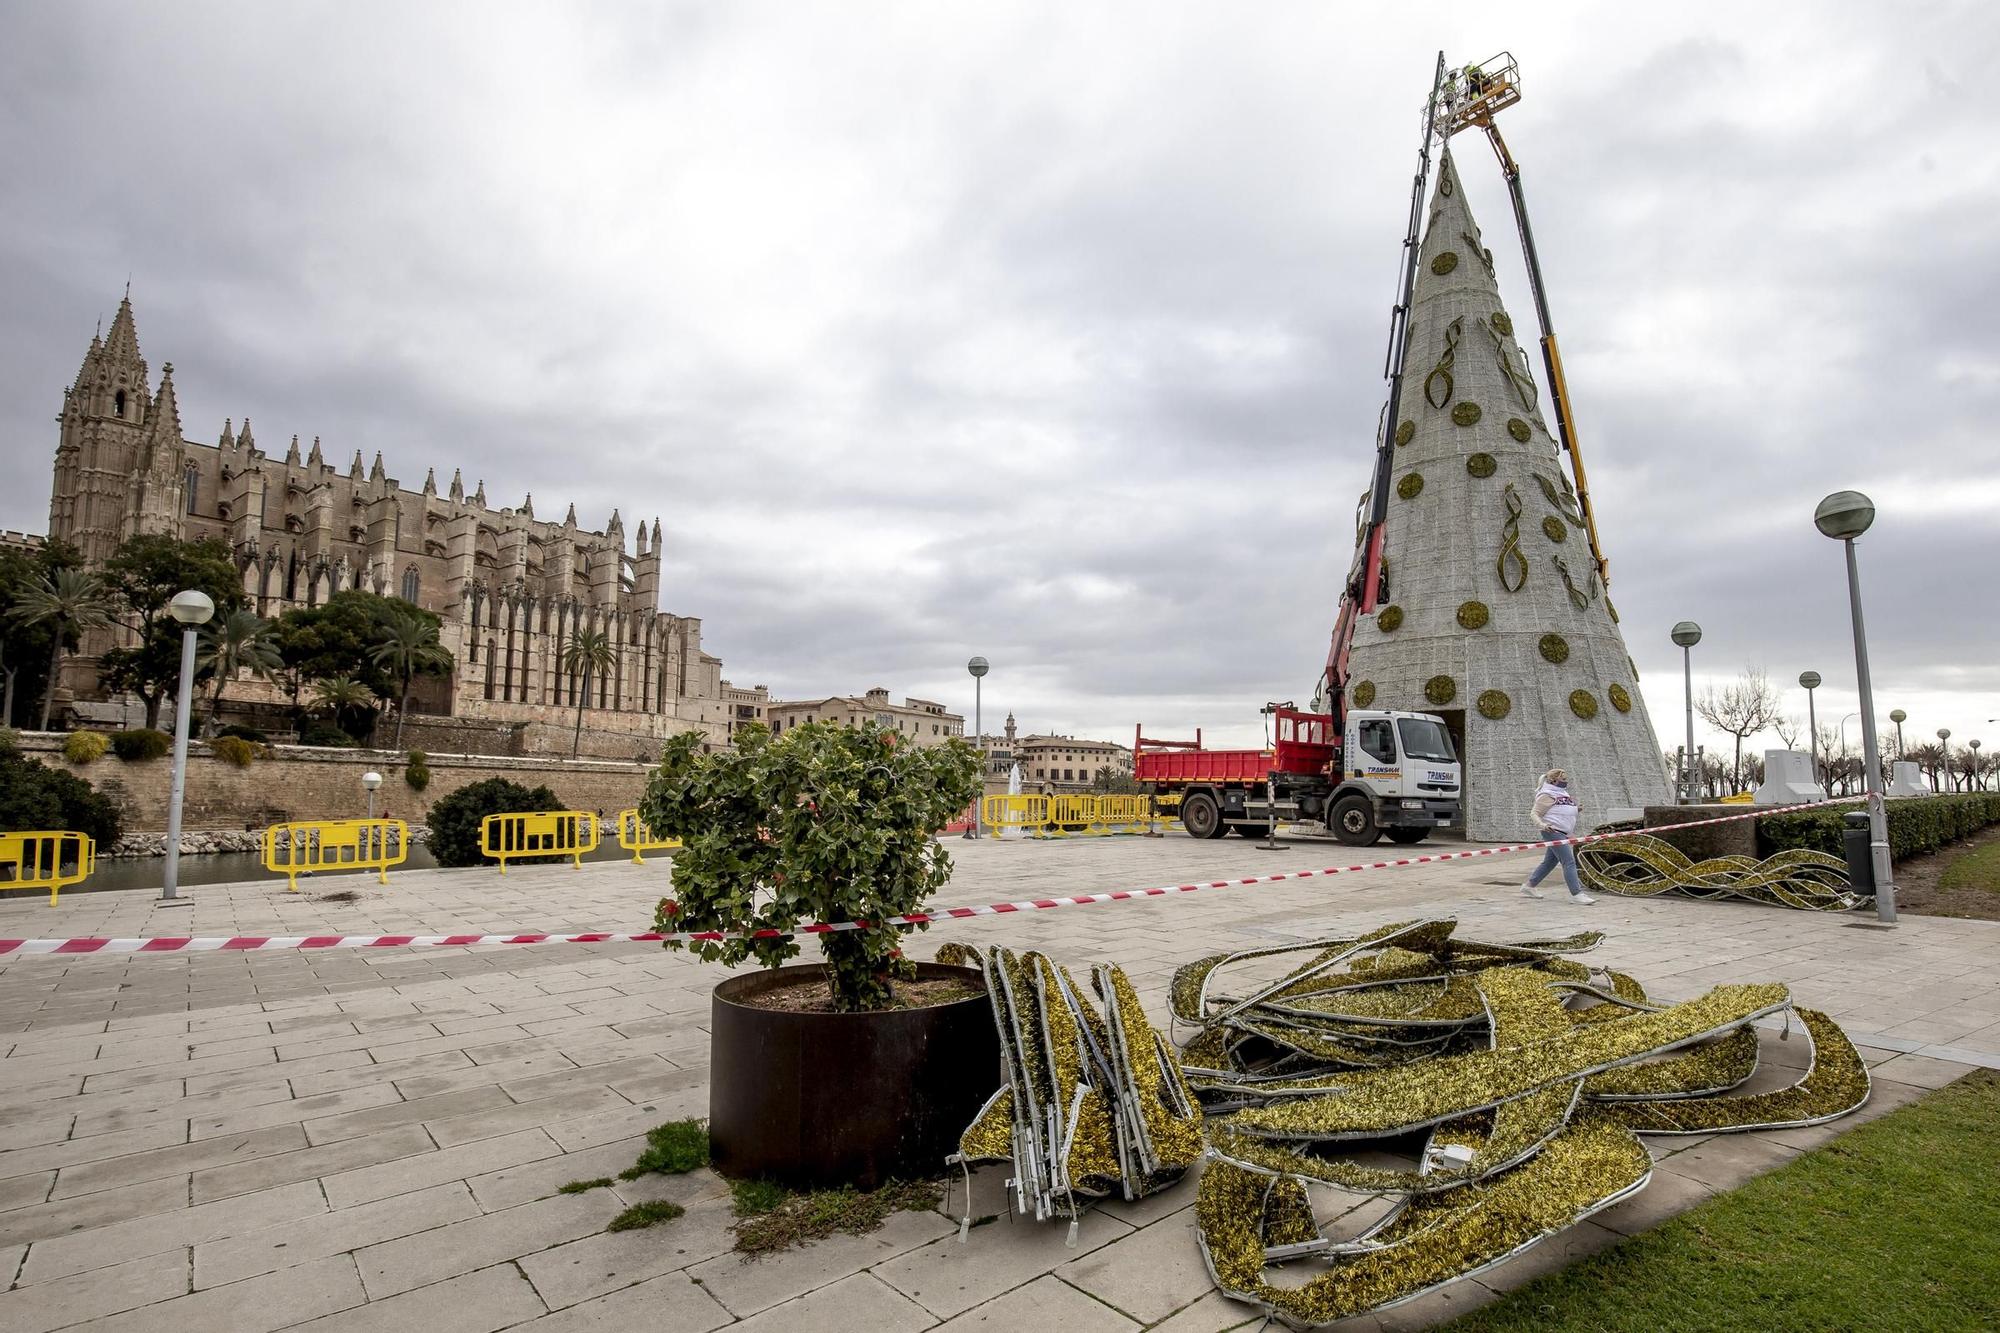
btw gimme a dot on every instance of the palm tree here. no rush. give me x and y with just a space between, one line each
409 644
341 695
240 641
72 603
588 651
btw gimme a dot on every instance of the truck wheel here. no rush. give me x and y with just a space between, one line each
1408 835
1354 821
1201 817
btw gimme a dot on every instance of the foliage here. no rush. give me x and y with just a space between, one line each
1917 824
584 1186
1876 1229
337 638
10 741
36 796
1621 698
24 649
833 823
69 603
1494 704
1362 694
1411 486
247 733
1740 710
1519 429
234 750
1440 690
347 700
754 1198
673 1149
141 744
1555 648
1445 262
1481 465
1583 703
407 646
1976 870
1473 615
645 1215
800 1219
1466 414
589 653
324 734
83 747
239 641
417 772
145 573
1389 619
1109 781
455 820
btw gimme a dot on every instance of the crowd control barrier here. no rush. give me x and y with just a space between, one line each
309 846
1005 812
513 837
46 860
1062 816
636 838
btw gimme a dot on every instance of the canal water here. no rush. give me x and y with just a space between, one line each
146 872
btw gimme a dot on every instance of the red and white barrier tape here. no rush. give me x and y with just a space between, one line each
250 943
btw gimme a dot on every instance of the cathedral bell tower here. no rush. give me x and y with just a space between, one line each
119 457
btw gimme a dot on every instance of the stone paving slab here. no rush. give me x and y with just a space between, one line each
373 1139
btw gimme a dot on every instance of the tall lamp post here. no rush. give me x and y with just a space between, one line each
1687 634
1899 717
1944 757
1843 516
1981 777
192 609
369 782
978 666
1810 680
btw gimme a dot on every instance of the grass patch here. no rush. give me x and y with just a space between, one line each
672 1149
799 1219
1888 1226
645 1215
581 1186
754 1198
1978 869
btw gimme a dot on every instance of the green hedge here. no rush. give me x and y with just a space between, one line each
141 745
1917 824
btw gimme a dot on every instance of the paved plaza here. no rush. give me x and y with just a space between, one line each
373 1139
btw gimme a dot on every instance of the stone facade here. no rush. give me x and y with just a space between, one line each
1496 617
928 723
509 587
1067 763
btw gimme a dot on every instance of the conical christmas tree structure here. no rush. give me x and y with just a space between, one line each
1496 616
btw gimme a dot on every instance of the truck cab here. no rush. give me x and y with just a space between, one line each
1399 775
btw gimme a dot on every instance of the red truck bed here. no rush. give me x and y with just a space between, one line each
1304 745
1180 766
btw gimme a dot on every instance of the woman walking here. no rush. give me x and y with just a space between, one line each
1555 815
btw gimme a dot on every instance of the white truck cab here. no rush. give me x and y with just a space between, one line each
1399 775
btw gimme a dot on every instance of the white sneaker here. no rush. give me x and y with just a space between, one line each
1531 890
1582 899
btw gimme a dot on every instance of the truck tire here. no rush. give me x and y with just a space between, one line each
1408 835
1201 816
1354 821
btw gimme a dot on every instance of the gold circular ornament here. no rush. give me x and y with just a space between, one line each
1481 465
1502 323
1473 615
1406 432
1446 261
1620 699
1466 414
1553 526
1494 704
1583 703
1389 619
1363 694
1440 690
1519 429
1409 487
1555 648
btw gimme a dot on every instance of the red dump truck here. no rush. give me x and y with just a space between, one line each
1391 772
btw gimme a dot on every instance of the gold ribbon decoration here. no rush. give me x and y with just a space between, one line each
1510 545
1582 597
1485 255
1561 500
1517 375
1435 396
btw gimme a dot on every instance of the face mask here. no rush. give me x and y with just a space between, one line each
1564 784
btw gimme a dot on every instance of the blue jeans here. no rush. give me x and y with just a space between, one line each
1564 856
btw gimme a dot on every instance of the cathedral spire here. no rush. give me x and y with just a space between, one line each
376 472
122 344
569 520
315 459
528 505
354 469
244 440
431 482
656 534
479 495
166 413
292 454
457 487
228 440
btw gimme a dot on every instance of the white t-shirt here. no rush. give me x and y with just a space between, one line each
1555 808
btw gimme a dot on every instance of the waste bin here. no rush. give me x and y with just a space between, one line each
1860 862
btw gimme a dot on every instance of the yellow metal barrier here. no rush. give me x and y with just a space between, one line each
36 860
308 846
1166 814
513 837
1074 814
1126 813
1005 812
636 838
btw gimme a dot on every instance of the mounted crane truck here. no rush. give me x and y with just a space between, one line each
1385 772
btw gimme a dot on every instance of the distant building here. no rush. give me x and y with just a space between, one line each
1066 763
928 723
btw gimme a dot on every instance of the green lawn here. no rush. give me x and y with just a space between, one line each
1975 870
1895 1225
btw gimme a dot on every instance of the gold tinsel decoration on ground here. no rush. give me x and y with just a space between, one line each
1527 1076
1639 865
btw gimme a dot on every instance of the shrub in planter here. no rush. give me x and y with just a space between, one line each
250 734
455 820
234 750
35 796
141 744
325 733
1917 824
417 773
83 747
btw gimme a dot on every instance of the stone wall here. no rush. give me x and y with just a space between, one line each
293 782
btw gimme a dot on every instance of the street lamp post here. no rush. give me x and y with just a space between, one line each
1899 717
1944 757
1810 679
1843 516
1687 634
192 609
978 666
1976 774
369 782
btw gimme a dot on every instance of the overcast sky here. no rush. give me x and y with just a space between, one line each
1049 332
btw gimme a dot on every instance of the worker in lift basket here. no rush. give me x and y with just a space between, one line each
1475 83
1555 813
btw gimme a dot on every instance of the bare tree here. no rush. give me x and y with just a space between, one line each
1789 728
1741 710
